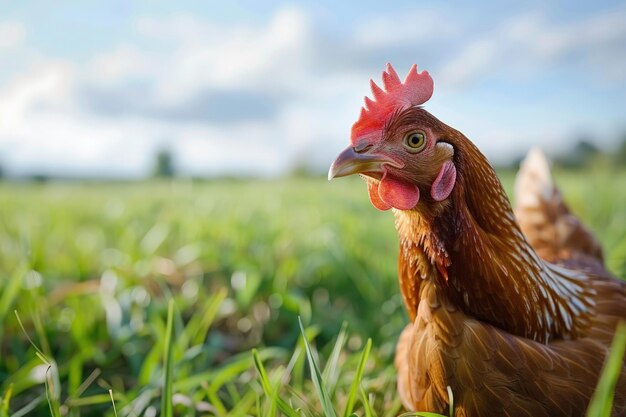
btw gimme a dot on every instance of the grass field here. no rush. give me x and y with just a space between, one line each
90 269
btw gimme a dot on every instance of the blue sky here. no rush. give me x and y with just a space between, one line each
95 88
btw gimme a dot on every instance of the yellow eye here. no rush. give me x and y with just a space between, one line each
414 141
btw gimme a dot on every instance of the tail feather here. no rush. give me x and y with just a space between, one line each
553 231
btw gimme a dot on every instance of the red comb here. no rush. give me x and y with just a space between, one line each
416 89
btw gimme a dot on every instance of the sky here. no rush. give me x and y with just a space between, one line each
256 88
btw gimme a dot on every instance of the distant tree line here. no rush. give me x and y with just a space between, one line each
583 154
586 153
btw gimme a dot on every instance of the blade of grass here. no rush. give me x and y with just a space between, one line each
451 398
300 363
91 400
316 376
166 393
232 391
292 363
74 375
393 409
366 403
29 407
214 399
149 365
275 400
235 366
200 329
243 406
86 383
10 291
113 402
41 354
4 404
354 389
331 370
139 403
41 333
602 400
53 402
52 389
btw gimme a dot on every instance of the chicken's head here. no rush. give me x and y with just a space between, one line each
398 147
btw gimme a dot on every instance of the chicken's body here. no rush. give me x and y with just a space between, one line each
516 316
490 370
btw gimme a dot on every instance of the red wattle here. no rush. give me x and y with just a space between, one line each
398 194
372 190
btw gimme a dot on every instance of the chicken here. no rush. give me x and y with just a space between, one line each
514 314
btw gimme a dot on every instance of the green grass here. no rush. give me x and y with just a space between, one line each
139 289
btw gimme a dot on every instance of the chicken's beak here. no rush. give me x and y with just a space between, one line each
352 162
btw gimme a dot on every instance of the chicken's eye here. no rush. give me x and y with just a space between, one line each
414 141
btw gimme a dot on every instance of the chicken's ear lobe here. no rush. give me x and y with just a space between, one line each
444 183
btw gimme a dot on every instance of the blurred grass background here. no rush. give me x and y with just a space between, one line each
90 267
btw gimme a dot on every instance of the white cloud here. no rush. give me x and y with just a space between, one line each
531 42
65 144
125 61
45 85
208 55
12 35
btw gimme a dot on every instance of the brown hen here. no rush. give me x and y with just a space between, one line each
515 313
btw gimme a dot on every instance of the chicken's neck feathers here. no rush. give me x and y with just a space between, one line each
484 264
